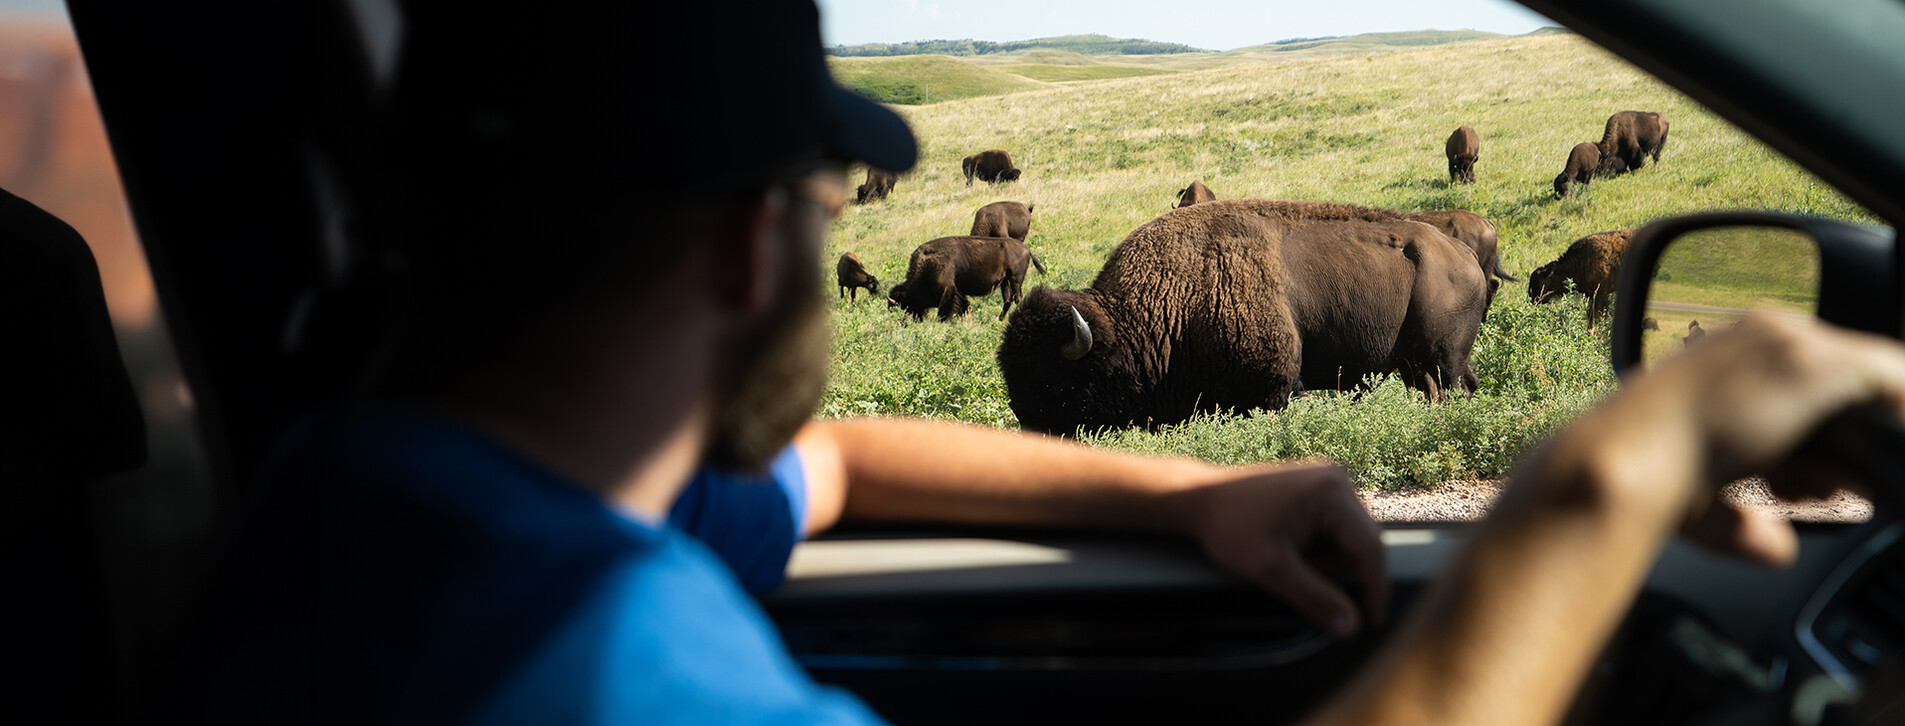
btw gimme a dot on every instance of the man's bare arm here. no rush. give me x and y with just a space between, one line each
1507 635
1256 522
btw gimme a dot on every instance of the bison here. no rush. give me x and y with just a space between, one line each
879 183
1583 160
1463 148
1239 303
852 276
1649 324
1694 332
1478 233
945 271
991 166
1592 263
1631 137
1003 219
1196 193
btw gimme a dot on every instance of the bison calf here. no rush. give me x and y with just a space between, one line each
1196 193
852 276
945 271
991 166
1463 148
1592 263
879 183
1583 160
1003 219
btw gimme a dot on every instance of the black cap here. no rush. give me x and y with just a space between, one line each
708 95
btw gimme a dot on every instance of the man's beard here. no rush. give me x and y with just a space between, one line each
776 375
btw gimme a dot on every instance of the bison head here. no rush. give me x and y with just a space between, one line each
1561 184
1544 283
1009 175
1065 365
862 191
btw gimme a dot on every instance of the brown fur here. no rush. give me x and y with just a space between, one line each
1478 233
852 276
1629 138
1463 148
1196 193
991 166
1592 263
944 272
1003 219
1583 160
1649 324
1239 303
1694 332
879 183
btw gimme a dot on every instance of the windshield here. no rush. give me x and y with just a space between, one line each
1108 132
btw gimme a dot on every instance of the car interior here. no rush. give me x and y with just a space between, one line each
268 295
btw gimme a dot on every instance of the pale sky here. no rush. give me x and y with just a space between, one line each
1208 24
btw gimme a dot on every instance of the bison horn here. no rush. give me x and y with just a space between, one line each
1081 338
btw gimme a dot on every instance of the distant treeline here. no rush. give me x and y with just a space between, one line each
1080 44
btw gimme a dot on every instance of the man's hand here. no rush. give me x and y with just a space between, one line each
1296 530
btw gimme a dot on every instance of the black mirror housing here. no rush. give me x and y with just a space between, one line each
1858 275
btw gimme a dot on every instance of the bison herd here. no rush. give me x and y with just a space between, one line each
1238 304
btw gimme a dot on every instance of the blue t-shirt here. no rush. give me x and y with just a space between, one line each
401 568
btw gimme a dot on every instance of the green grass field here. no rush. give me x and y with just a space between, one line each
1101 157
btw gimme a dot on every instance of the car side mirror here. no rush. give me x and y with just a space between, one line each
1686 276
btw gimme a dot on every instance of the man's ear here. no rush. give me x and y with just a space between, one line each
750 252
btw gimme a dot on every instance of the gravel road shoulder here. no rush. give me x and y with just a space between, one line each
1460 501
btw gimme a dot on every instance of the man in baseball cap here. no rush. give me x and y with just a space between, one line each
589 433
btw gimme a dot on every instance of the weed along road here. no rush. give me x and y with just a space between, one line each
1106 142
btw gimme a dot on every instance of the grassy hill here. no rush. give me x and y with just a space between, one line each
1091 44
925 79
1101 158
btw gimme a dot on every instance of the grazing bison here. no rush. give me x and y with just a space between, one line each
1630 137
991 166
1649 324
1003 219
852 276
1237 304
1593 263
1694 332
878 184
1463 148
1478 233
1583 160
945 271
1196 193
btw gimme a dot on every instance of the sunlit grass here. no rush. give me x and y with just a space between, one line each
1102 157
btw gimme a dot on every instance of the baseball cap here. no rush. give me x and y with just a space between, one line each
699 97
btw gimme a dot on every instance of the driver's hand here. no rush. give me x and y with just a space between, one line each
1291 529
1738 405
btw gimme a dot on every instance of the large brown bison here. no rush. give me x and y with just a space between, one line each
1583 160
852 276
1003 219
1631 137
1196 193
1237 304
943 273
1463 148
1694 332
879 183
1478 233
991 166
1592 263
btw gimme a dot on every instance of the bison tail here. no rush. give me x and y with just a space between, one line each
1503 274
1036 265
